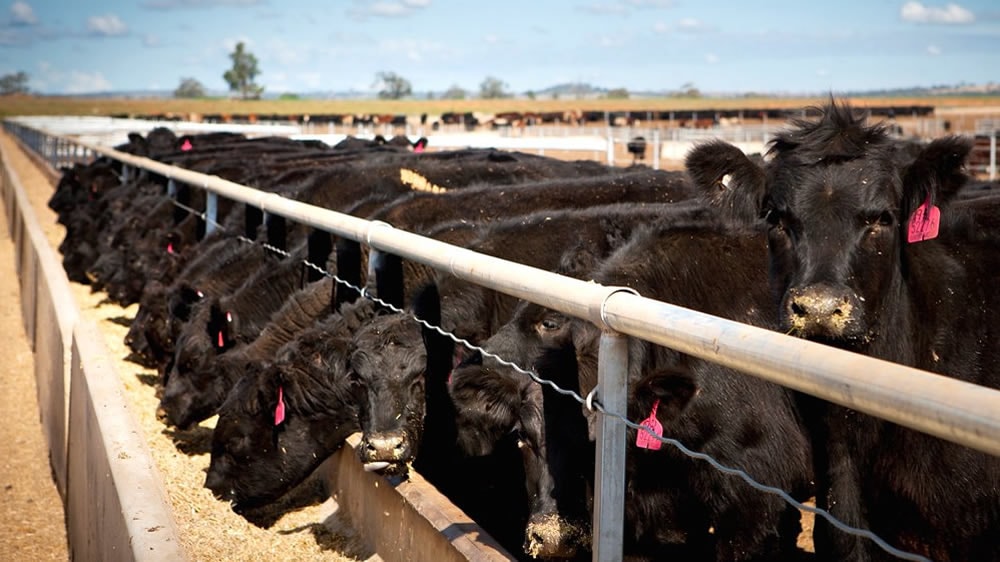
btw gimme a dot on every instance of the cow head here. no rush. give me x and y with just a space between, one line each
191 391
839 197
388 365
492 401
280 421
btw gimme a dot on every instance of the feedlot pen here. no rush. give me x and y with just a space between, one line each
131 489
941 406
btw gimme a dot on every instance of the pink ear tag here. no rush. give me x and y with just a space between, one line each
222 343
924 223
279 410
170 248
644 440
187 145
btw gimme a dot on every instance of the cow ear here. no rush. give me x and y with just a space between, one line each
727 179
937 173
674 388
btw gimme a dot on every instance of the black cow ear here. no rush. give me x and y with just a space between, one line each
674 388
937 173
727 179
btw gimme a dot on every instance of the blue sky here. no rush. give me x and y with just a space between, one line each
777 46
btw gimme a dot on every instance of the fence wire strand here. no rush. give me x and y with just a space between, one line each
590 403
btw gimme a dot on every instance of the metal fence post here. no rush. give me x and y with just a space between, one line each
656 149
993 154
211 211
609 477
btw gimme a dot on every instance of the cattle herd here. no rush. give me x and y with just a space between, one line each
840 234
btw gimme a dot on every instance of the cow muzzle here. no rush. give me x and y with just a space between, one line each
386 452
824 312
552 536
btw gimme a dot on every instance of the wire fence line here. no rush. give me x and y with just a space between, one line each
959 406
591 403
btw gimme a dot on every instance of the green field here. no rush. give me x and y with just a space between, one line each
185 108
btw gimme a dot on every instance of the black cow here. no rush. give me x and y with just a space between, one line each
672 501
191 391
867 254
261 452
637 148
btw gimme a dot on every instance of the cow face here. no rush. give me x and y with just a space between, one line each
191 390
492 400
261 450
838 197
388 365
489 397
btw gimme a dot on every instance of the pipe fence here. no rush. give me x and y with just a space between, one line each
938 405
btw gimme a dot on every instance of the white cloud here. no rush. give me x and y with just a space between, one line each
414 50
387 9
108 25
82 82
822 72
491 39
150 40
916 12
194 4
22 14
933 50
691 25
660 27
604 8
711 58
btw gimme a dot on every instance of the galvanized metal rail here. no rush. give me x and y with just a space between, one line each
938 405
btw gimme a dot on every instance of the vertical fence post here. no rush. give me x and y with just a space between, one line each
611 149
656 149
211 211
609 477
993 154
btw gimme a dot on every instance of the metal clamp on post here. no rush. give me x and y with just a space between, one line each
374 254
601 312
371 227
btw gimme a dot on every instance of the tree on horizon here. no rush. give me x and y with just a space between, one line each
240 77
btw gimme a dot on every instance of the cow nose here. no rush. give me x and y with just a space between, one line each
389 446
552 536
215 482
823 311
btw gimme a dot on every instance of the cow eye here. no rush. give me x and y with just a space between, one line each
551 324
773 217
885 219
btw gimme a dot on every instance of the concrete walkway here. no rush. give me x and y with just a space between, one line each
32 520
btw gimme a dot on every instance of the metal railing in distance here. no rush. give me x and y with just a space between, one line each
945 407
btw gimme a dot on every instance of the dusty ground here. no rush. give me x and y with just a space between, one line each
31 514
